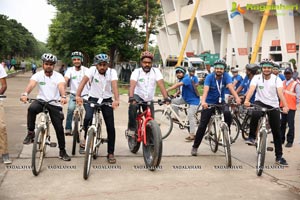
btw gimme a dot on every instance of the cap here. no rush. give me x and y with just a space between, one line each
288 70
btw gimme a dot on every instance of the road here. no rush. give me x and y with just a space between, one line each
180 176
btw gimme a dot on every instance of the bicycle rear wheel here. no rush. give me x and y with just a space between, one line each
152 150
75 134
164 121
234 129
212 137
261 152
38 150
226 144
245 127
133 144
88 154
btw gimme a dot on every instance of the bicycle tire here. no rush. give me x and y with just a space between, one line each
226 144
164 121
198 117
133 144
245 127
88 154
235 129
261 152
212 138
98 141
152 150
38 150
75 133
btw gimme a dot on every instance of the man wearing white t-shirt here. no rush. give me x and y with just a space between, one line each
104 85
3 132
142 88
51 85
74 76
267 87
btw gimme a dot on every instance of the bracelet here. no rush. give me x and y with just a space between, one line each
24 94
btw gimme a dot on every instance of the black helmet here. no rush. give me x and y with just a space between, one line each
180 69
191 69
77 54
253 68
220 62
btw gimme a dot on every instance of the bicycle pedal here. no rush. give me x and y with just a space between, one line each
52 144
270 148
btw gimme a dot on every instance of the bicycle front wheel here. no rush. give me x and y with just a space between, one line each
164 121
75 132
152 147
98 141
226 144
212 137
38 150
261 152
88 153
245 127
234 129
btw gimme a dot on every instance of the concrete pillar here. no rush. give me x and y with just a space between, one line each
255 29
239 37
224 33
205 30
163 44
286 27
183 26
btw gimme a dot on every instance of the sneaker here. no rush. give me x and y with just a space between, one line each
29 137
5 158
281 161
288 145
250 141
68 132
189 138
64 156
130 133
111 159
194 151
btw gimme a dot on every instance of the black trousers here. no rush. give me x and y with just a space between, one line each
108 116
56 116
205 117
274 121
290 120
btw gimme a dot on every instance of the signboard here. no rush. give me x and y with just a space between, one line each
275 43
243 51
291 47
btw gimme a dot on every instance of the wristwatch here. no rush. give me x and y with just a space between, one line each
24 94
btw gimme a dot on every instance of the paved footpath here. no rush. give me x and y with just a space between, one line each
180 175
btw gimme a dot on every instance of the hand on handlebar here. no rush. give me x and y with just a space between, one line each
79 100
24 99
204 105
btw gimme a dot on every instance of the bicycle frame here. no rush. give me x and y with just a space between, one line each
262 126
143 118
218 118
96 119
183 122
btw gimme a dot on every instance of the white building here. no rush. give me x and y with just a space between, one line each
221 28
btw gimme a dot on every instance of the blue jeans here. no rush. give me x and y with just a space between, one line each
71 108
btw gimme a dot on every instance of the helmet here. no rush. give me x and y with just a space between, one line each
146 54
253 68
276 65
234 69
77 54
48 57
267 62
180 69
191 69
101 58
220 62
288 70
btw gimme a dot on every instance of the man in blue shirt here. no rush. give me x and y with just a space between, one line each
213 93
236 78
189 96
275 71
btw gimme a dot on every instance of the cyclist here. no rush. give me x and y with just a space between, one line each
236 78
3 132
189 96
267 86
142 88
291 92
104 85
74 76
214 93
51 87
275 71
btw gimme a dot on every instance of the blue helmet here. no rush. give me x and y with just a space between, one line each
101 58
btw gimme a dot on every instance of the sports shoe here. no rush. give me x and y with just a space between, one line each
189 138
5 158
68 132
130 133
64 156
288 145
250 141
29 137
281 161
194 151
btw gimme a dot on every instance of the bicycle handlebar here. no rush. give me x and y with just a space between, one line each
30 100
93 104
261 108
2 96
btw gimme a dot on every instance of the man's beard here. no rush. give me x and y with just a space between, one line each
146 69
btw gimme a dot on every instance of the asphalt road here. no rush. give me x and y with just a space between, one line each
180 175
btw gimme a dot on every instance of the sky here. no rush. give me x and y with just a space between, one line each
34 15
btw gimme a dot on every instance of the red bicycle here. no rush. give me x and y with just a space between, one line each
147 132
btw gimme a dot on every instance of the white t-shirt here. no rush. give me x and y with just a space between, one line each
75 79
48 86
146 82
3 73
100 84
266 90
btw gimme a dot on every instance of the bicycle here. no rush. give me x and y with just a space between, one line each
42 137
94 137
165 121
262 139
148 132
77 124
217 130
